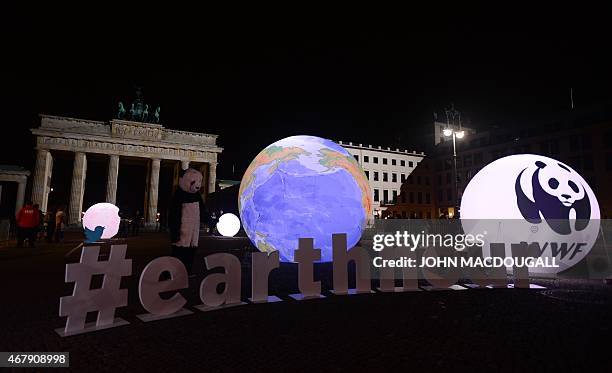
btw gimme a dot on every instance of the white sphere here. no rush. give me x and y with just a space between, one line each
228 225
505 200
103 215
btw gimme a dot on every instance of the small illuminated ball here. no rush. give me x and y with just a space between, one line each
103 215
228 225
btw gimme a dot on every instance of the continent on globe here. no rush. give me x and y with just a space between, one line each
303 187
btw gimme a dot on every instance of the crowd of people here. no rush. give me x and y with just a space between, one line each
34 225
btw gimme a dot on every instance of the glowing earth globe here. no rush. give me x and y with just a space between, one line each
303 187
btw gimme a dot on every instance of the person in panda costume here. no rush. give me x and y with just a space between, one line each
187 210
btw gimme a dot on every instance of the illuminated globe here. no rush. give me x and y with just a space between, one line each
303 187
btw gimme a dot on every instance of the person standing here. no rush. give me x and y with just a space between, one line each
40 229
187 212
136 223
50 221
59 224
213 223
27 224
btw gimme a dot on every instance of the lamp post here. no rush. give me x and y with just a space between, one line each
449 131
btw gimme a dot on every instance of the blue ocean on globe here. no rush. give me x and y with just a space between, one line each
303 187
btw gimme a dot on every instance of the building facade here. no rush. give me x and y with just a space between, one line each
386 169
147 143
12 176
583 143
416 199
582 140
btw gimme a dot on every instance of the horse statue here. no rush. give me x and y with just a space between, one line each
156 115
132 112
145 113
121 111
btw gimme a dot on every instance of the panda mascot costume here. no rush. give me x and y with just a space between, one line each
187 210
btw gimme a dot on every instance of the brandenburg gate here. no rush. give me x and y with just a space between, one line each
119 138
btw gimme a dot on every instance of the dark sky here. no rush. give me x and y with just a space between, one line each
255 83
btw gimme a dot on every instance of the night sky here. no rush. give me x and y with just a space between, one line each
256 83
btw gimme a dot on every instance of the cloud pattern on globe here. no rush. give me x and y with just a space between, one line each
303 187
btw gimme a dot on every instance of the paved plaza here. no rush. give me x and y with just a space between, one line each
496 330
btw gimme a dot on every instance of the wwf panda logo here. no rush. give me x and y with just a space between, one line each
557 191
512 195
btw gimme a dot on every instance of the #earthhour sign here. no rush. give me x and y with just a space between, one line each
304 200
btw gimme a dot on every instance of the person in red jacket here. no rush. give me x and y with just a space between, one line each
27 224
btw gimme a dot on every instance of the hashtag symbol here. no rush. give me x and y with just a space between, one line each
104 300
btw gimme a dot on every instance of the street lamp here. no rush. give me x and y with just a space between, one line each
453 116
448 132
